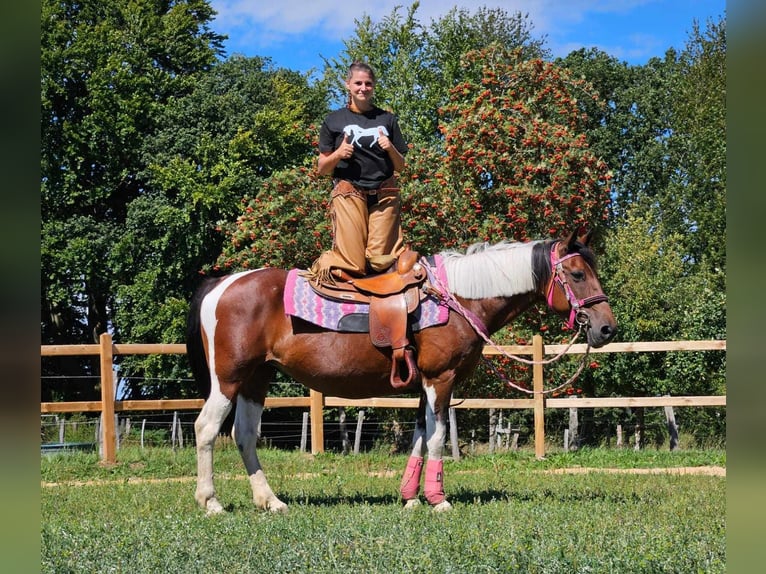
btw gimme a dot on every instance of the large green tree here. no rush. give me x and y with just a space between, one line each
663 132
107 70
696 196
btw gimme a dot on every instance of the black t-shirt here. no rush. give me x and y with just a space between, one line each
370 165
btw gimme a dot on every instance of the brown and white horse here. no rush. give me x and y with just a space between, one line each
239 334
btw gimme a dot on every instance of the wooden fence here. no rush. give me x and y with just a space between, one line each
316 402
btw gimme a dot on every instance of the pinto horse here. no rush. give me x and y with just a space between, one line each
239 335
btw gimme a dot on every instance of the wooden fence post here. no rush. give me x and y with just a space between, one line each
173 430
358 434
304 431
453 434
317 421
345 444
670 417
108 435
537 386
492 429
574 429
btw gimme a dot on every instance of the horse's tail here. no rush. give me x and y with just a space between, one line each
195 350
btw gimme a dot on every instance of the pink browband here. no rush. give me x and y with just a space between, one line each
575 304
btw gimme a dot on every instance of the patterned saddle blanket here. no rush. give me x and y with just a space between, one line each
301 301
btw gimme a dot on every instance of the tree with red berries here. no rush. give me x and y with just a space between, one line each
514 162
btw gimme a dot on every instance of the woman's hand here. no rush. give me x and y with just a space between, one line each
383 140
328 160
385 143
345 149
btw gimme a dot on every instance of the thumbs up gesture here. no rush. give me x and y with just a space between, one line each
383 140
346 148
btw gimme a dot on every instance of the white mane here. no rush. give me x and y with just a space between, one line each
485 270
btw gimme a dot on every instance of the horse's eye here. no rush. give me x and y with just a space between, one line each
578 275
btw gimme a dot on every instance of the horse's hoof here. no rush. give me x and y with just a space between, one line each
412 503
443 506
277 507
213 507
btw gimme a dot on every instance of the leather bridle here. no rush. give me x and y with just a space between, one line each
575 304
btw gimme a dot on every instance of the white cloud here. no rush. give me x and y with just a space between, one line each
264 26
289 17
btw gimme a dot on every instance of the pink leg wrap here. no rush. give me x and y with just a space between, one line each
434 489
411 480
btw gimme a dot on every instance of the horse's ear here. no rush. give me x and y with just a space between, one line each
572 239
569 242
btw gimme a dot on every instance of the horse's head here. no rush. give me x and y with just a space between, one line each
575 291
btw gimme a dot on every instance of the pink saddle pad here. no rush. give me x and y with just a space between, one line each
302 301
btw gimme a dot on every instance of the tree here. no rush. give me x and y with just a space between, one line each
606 116
696 196
283 224
664 134
515 163
656 297
107 70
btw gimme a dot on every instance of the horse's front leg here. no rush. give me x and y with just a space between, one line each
206 428
430 434
410 485
246 421
436 433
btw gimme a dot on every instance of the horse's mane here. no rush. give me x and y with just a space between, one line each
500 270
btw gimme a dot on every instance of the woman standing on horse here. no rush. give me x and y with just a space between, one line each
362 147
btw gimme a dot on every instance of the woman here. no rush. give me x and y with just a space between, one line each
362 147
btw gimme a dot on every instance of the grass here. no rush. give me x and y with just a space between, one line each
508 516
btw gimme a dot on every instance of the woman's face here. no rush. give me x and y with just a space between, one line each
361 86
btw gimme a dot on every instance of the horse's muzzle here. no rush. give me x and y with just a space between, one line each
600 335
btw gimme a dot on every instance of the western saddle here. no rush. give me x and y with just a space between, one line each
392 296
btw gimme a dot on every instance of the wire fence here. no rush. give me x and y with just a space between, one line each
176 430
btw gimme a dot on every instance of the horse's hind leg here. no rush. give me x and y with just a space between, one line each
246 421
206 428
410 485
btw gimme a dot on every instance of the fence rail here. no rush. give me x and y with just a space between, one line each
316 401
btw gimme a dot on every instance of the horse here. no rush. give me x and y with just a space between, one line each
238 335
358 132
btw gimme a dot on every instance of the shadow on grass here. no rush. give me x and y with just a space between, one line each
461 497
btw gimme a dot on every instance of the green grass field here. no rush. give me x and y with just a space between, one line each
511 514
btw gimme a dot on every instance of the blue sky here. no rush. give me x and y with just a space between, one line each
296 34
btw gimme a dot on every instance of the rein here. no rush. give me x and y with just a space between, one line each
576 316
